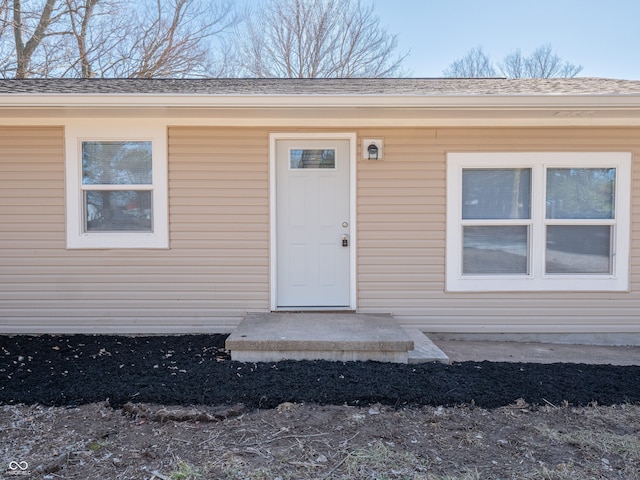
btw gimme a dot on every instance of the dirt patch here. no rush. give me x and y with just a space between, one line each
177 408
299 441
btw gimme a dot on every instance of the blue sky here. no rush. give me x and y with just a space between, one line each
602 36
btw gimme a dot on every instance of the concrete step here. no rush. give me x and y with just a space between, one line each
272 337
424 350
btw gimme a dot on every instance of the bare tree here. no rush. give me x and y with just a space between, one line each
95 32
172 39
25 49
513 65
475 64
80 16
6 31
542 63
315 38
116 38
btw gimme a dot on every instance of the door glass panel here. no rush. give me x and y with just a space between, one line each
312 159
581 193
495 250
578 249
496 193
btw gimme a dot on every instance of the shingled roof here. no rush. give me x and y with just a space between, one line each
409 87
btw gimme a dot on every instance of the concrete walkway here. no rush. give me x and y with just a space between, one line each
271 337
268 337
500 351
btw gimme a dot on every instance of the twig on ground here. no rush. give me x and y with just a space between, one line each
344 442
336 466
181 440
269 440
208 440
183 414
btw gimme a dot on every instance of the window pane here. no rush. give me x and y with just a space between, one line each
496 193
312 158
581 192
495 250
122 210
578 249
116 163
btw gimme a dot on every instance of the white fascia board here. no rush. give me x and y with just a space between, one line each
310 101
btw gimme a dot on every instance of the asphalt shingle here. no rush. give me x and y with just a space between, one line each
311 87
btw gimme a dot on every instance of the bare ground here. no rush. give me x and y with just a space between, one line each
177 408
299 441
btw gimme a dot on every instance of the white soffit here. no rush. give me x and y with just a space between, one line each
335 110
332 101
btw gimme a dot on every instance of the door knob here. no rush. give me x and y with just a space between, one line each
345 240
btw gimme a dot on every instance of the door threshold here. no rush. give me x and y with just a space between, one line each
314 309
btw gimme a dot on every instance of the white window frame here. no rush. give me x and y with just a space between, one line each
116 130
536 279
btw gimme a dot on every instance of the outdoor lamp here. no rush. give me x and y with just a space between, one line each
373 151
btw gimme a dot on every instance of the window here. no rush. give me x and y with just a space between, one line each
117 186
314 159
538 221
117 190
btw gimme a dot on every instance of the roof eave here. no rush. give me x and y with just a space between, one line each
546 101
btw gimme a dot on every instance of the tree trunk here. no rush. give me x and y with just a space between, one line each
25 51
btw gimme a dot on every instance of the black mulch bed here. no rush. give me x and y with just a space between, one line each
195 369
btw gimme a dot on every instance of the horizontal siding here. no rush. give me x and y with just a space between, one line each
219 207
215 270
217 266
401 222
32 222
401 214
31 193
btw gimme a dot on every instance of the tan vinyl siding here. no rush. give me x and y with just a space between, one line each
32 220
400 201
217 266
215 271
401 222
219 216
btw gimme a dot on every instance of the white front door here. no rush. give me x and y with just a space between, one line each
312 223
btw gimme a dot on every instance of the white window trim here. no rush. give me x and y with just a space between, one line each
116 130
537 280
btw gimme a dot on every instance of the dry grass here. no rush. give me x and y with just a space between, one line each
297 441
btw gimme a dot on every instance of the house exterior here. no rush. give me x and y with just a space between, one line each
177 206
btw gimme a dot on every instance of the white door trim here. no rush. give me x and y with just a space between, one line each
273 274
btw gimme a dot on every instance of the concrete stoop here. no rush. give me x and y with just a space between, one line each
272 337
424 350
